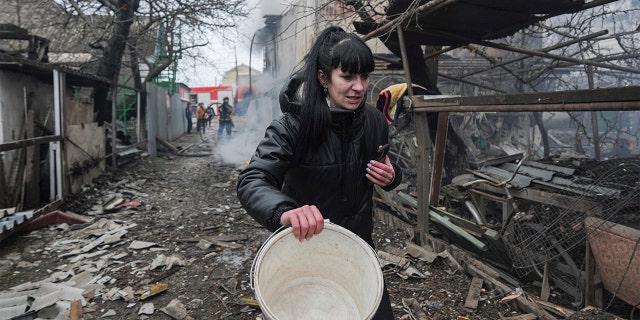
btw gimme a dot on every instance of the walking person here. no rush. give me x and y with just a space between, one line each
202 118
319 160
225 122
209 112
188 115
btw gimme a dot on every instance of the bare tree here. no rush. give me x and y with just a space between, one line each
121 34
157 32
174 28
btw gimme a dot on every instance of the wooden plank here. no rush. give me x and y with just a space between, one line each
4 189
424 174
527 316
75 312
31 199
15 181
589 275
438 157
84 149
77 111
620 94
473 295
583 106
28 142
445 222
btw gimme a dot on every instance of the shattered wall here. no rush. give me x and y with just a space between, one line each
19 93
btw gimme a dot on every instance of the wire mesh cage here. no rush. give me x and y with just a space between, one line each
544 233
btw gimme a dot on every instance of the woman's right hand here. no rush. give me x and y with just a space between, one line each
306 221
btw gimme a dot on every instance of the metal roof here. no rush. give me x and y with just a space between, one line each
457 22
44 71
13 220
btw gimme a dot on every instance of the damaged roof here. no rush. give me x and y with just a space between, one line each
456 22
44 71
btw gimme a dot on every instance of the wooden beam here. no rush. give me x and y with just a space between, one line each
438 157
31 198
423 153
28 142
423 156
589 275
167 144
621 98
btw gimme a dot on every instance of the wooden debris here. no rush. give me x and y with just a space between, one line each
465 258
527 316
545 291
474 293
556 309
75 312
167 144
155 290
522 302
250 302
510 297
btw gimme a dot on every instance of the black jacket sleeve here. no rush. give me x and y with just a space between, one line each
260 183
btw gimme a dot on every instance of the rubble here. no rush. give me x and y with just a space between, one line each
188 247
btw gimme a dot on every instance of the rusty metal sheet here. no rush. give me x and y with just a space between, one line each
563 170
535 173
520 181
593 189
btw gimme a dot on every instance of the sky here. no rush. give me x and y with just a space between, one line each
226 54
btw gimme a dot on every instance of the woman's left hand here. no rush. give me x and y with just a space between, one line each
380 173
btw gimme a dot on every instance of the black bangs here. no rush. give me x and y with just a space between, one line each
353 56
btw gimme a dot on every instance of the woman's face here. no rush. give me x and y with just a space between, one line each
347 90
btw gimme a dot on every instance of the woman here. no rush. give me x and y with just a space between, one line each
318 160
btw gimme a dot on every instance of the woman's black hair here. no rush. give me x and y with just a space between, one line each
333 48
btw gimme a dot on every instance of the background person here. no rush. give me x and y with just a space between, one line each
202 118
317 160
188 115
225 123
209 112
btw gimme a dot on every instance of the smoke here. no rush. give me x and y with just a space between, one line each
248 131
270 7
262 8
250 128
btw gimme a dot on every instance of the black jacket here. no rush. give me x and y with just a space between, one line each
333 178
